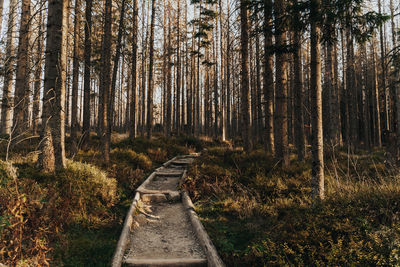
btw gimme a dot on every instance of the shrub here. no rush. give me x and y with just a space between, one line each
87 189
138 161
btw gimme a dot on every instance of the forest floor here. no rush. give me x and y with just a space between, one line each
75 218
259 214
255 212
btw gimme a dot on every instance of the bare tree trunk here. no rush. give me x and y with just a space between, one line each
383 65
75 81
316 107
395 87
216 77
133 124
299 95
5 126
38 71
245 101
268 78
169 78
106 81
21 99
116 64
88 66
223 79
377 109
1 13
53 118
150 118
281 138
178 68
228 75
258 90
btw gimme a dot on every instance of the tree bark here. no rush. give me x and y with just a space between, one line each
75 80
88 66
316 106
5 126
53 118
115 66
38 71
21 98
105 85
281 138
133 112
150 118
299 95
245 94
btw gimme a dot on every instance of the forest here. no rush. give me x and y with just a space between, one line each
278 119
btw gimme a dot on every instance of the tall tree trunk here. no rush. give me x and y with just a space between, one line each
169 78
105 85
1 13
75 80
223 80
53 118
281 138
395 87
5 126
116 64
333 99
21 98
299 95
150 118
245 95
216 77
133 123
178 68
377 109
88 66
228 74
38 71
316 106
258 90
383 66
268 78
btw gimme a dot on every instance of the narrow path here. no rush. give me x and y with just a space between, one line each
161 228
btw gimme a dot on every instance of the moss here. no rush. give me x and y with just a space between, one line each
139 161
358 223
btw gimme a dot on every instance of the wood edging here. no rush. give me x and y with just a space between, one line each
146 182
124 237
212 255
166 164
166 262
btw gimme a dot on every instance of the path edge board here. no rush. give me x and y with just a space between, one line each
211 252
123 239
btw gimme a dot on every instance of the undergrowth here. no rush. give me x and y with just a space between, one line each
74 217
259 214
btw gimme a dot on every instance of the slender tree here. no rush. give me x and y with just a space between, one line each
21 96
281 115
105 85
87 70
245 94
75 80
133 112
316 105
5 126
151 81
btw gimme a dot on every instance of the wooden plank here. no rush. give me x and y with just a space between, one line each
166 262
124 238
212 255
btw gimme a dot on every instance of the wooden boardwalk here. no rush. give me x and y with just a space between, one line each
161 227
